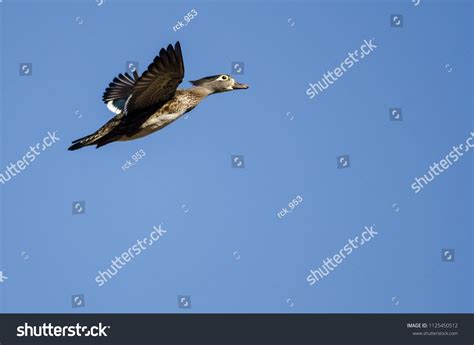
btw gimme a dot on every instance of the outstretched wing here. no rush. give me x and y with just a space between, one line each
118 91
159 82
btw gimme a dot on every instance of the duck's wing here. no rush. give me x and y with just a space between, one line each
118 91
159 82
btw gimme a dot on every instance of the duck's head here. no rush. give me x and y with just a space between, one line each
219 83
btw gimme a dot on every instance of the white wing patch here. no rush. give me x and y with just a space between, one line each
126 103
113 108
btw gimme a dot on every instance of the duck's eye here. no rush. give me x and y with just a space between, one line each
224 77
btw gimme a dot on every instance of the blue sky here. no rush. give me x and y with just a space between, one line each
225 245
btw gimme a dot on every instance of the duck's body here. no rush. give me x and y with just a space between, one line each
182 102
146 104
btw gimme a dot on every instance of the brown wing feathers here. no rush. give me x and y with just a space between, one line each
156 86
120 87
159 82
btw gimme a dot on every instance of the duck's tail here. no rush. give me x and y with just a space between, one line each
85 141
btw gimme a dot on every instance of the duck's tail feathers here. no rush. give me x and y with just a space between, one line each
85 141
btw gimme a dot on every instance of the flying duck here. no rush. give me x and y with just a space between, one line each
152 101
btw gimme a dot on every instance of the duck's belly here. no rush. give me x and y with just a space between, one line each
154 123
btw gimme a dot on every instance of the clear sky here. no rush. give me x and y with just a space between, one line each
225 245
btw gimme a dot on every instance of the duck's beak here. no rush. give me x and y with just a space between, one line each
238 85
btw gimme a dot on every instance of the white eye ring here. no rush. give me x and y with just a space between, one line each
224 77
